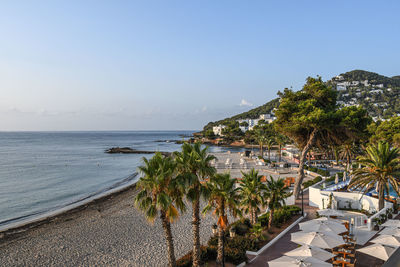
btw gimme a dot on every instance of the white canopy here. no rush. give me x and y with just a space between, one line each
330 212
317 239
318 225
389 240
380 251
306 251
286 261
390 231
392 223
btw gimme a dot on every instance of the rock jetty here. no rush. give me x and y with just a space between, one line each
128 150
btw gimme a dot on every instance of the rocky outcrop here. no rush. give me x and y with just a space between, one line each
128 150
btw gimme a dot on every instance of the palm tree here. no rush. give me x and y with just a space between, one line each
250 193
223 197
161 194
381 167
261 138
194 165
347 153
281 140
269 142
275 196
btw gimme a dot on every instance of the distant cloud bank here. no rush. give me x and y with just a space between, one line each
245 103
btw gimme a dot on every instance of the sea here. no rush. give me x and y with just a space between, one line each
45 172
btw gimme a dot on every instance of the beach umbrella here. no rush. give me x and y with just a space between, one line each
330 212
286 261
380 251
317 239
336 178
344 176
389 240
323 226
390 231
392 223
306 251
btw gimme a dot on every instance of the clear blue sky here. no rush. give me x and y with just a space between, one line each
139 65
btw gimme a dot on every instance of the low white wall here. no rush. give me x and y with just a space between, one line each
319 198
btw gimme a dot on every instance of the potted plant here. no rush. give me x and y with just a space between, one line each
389 213
395 208
376 223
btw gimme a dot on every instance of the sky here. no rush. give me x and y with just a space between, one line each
176 65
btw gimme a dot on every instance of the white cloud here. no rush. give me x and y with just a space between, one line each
245 103
204 109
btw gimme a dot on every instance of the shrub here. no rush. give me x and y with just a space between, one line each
206 254
263 219
242 243
235 256
185 261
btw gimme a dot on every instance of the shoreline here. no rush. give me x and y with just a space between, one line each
10 231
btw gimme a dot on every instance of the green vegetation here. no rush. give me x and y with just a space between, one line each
250 193
193 165
160 193
275 196
222 197
388 130
381 167
312 182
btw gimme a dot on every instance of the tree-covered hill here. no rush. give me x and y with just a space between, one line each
380 96
251 114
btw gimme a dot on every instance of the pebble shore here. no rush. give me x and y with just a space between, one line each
108 233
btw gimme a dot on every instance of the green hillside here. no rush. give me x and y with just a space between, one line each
381 97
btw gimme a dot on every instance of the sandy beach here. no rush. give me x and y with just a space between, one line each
108 232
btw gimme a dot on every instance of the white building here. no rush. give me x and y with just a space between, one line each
218 129
376 91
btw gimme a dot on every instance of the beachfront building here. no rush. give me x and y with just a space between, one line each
253 122
218 129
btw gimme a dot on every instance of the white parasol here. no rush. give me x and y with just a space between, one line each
389 240
390 231
392 223
286 261
317 239
330 212
318 225
380 251
306 251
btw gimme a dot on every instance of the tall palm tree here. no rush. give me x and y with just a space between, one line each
269 143
261 138
250 193
275 196
161 194
194 165
381 167
223 197
347 153
281 140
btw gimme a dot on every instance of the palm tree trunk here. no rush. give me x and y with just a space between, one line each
381 194
271 215
280 153
168 236
220 251
196 232
269 153
299 180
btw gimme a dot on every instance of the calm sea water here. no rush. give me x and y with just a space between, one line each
45 171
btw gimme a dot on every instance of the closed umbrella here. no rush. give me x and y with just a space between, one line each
317 239
344 176
392 223
286 261
389 240
330 212
336 178
390 231
323 226
306 251
380 251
